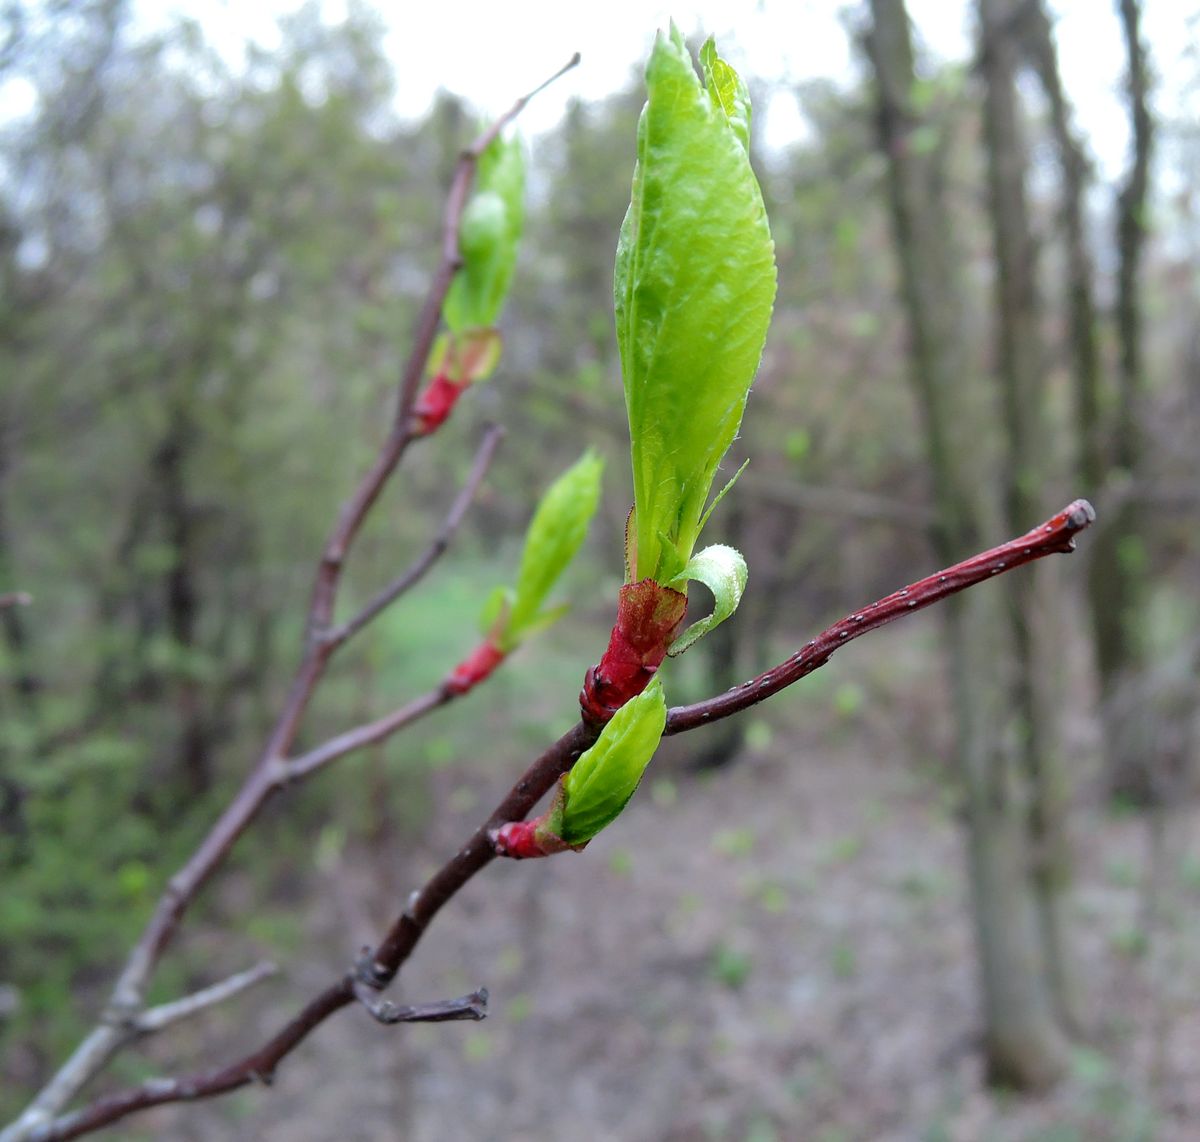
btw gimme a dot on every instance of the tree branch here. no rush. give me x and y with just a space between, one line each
451 261
473 1007
156 1018
271 769
413 575
1056 535
365 735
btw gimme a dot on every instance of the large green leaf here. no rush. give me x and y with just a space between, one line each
488 238
693 290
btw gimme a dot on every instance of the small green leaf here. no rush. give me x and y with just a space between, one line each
488 238
602 781
496 611
723 571
556 532
727 91
466 357
693 291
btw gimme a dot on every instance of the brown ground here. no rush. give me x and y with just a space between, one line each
780 950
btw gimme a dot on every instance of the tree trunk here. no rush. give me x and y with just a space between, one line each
1076 177
1117 585
1042 54
182 603
20 686
1030 598
1024 1042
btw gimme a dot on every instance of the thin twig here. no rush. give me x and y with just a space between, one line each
369 734
156 1018
259 1066
413 575
456 202
271 771
473 1007
1056 535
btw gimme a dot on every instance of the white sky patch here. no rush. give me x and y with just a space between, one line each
489 53
18 97
784 122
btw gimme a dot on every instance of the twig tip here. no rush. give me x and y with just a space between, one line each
1080 514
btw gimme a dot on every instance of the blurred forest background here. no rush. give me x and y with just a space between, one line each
966 850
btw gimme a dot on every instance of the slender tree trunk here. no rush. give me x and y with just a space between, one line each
182 602
20 686
26 684
1030 598
1024 1043
1042 55
1117 584
1076 178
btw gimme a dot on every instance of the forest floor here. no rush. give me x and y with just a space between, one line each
777 950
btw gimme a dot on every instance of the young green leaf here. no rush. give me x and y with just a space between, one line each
488 238
496 610
723 571
727 91
466 357
556 532
693 291
603 780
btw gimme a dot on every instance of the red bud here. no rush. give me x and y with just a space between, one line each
436 403
649 617
474 668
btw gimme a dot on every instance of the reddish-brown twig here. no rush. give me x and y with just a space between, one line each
1056 535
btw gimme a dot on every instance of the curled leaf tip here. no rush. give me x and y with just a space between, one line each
723 571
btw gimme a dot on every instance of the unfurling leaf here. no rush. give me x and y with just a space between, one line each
727 91
693 290
467 357
723 571
488 238
603 780
599 785
556 532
